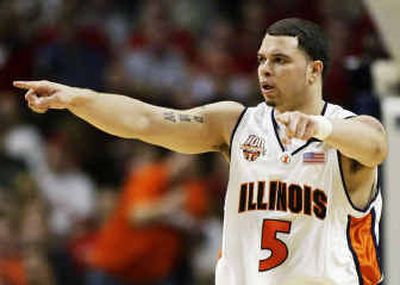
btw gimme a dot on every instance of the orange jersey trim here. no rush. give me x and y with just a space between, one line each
363 246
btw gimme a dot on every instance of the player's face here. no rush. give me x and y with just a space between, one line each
282 72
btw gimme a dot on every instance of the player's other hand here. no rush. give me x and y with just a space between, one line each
297 125
44 95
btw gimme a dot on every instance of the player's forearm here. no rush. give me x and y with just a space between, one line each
197 130
361 139
115 114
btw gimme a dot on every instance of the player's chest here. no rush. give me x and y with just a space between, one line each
261 150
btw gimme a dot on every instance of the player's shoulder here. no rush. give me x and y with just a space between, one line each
229 106
259 112
223 111
335 111
221 107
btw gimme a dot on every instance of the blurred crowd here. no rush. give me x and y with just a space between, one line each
78 206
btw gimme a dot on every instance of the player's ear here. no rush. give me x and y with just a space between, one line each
315 69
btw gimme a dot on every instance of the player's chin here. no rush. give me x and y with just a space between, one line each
270 102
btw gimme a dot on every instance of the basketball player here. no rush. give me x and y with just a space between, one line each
302 205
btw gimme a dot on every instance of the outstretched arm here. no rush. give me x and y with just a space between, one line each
197 130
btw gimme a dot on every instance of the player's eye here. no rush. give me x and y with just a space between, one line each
279 60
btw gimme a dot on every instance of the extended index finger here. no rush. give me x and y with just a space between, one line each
27 84
283 118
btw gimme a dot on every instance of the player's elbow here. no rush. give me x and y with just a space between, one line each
136 127
381 146
381 151
378 145
377 154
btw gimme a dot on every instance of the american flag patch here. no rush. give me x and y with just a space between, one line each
314 157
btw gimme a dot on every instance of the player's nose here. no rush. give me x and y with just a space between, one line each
265 69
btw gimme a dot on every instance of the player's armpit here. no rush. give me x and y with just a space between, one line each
359 178
359 181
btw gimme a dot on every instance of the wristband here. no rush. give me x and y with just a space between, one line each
323 128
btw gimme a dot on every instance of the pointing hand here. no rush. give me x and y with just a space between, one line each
303 126
43 95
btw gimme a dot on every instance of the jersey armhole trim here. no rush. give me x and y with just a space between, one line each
353 253
375 244
234 130
375 184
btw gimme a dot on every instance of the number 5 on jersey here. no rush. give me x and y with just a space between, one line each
269 240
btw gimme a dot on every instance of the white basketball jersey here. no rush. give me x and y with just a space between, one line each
288 218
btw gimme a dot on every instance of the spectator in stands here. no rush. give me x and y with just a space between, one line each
11 265
159 200
77 53
155 60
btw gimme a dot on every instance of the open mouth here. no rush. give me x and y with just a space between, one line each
266 87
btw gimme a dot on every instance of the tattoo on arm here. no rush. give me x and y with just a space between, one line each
198 119
170 116
184 118
178 117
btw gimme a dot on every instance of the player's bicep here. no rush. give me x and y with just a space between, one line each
370 121
375 130
197 130
186 131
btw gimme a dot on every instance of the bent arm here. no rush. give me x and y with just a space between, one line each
362 141
361 138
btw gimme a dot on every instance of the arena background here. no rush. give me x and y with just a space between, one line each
62 182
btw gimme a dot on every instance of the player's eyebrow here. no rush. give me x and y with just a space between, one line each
274 54
279 54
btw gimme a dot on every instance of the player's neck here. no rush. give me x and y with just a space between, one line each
312 103
314 107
